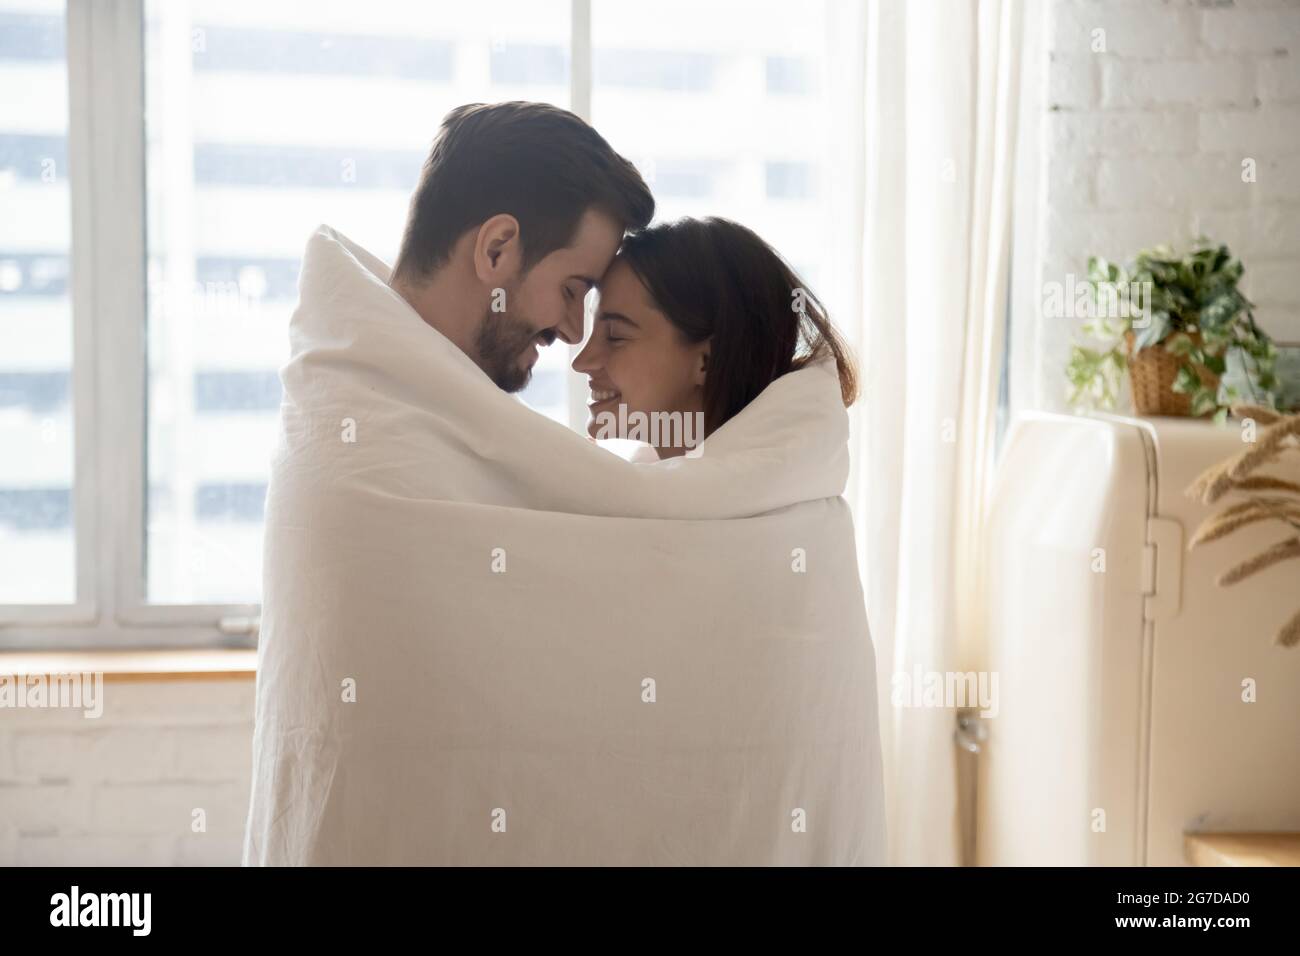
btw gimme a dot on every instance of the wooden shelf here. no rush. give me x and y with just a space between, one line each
1242 849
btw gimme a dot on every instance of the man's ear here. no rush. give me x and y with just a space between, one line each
498 252
702 365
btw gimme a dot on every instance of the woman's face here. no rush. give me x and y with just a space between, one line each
636 357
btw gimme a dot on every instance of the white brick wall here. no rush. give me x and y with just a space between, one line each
121 789
1144 143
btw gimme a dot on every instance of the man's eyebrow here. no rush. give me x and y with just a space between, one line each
617 317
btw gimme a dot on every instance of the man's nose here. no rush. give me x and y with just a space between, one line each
571 327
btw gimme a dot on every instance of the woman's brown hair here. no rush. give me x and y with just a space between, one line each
714 279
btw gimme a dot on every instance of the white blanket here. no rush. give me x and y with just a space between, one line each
487 640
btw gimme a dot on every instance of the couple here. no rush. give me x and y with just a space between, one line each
523 207
485 640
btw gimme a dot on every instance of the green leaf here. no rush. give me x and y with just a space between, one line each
1154 332
1180 344
1202 402
1186 381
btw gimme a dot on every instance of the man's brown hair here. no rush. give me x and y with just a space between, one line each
539 163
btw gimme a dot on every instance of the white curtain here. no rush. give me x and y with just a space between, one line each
941 83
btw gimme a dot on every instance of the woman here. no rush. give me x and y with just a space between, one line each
696 317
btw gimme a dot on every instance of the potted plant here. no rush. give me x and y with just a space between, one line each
1180 328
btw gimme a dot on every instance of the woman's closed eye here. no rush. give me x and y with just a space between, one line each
613 323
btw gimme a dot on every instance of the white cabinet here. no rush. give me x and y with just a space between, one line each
1121 662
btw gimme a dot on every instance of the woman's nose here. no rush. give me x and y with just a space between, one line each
587 360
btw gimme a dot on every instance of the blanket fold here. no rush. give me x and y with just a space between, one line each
487 640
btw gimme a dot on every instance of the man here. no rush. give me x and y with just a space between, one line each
519 210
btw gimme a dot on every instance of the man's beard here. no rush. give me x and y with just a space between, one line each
500 342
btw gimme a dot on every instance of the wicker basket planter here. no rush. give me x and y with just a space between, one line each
1151 375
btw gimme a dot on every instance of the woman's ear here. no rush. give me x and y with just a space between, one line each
498 253
702 365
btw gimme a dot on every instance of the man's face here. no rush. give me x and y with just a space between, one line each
545 303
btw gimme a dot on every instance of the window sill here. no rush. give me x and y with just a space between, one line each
150 665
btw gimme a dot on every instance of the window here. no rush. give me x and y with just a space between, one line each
789 74
714 104
181 169
37 513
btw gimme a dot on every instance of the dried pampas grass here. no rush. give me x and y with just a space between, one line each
1279 436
